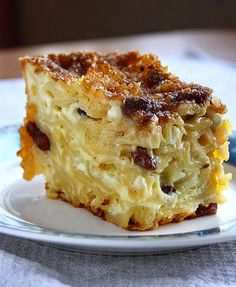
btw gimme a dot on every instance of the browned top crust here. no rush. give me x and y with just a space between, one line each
140 81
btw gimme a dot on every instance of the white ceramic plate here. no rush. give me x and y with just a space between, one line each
26 212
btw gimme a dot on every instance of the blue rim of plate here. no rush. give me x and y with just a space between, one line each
232 148
7 220
116 244
113 244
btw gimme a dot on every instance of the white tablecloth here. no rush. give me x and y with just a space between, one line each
24 263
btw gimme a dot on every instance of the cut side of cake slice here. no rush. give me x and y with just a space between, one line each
119 135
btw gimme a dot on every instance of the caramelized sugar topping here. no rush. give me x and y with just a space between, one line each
140 81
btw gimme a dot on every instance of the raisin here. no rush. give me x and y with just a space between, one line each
206 210
168 189
206 165
81 112
40 138
143 159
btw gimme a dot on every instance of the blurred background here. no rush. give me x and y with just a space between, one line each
172 27
195 39
32 22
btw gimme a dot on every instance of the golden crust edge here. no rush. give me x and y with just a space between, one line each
58 195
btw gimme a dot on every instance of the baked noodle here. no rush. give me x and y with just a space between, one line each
118 135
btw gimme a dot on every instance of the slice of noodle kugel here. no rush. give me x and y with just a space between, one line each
119 135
